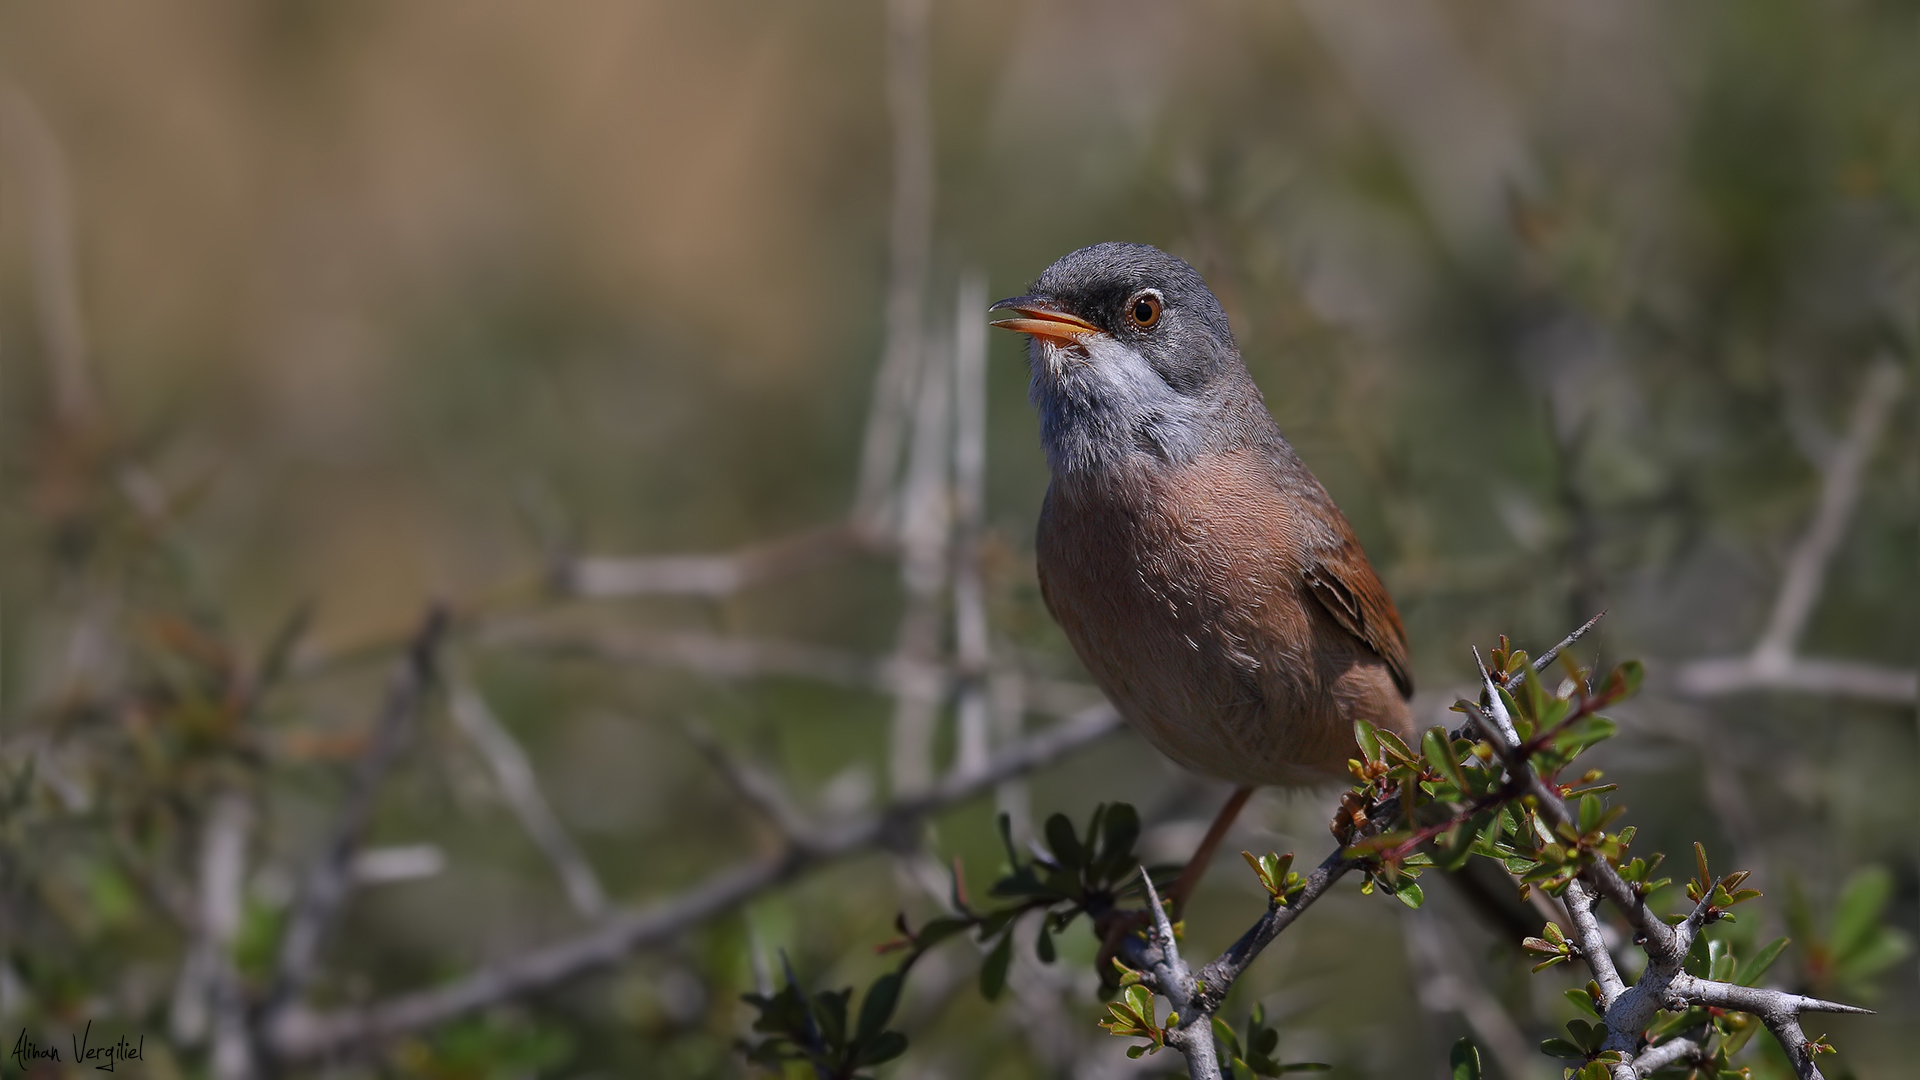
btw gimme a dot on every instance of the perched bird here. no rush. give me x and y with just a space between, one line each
1201 572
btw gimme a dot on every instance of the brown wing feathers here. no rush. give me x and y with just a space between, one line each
1345 584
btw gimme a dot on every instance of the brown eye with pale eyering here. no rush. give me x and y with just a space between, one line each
1144 311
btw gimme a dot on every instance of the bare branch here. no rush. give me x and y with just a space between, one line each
604 577
1593 943
1446 982
1192 1034
521 789
1218 977
34 153
298 1035
1667 1053
222 871
755 786
926 535
1837 678
325 886
1774 663
1545 660
910 247
747 658
1839 492
971 645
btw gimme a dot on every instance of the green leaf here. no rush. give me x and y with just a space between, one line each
1395 747
1368 738
1857 915
884 1048
830 1012
1122 832
1438 751
1043 945
877 1007
1062 841
1885 949
1583 733
1464 1061
937 931
1561 1048
1409 893
1623 681
1720 961
1584 1002
993 971
1590 811
1751 971
1696 959
1005 824
1223 1033
996 922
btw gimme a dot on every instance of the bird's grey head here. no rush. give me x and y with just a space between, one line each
1130 354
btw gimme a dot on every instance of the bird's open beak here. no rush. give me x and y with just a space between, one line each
1043 319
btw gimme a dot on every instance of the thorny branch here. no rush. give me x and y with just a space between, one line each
1627 1011
1774 662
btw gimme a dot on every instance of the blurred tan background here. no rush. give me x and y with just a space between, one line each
1571 307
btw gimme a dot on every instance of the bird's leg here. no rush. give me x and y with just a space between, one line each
1196 868
1114 926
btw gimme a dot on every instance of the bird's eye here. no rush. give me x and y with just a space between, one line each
1144 310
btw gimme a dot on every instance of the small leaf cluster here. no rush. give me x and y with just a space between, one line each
814 1029
1252 1055
1843 956
1073 873
1276 876
1132 1017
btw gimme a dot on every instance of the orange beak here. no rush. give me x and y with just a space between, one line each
1043 319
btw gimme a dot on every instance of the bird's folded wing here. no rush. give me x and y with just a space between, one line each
1345 584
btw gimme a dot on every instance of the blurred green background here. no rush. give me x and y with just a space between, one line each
1567 305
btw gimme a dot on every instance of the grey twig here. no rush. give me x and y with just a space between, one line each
1774 663
1218 976
605 577
35 154
206 976
1671 1052
1592 941
1197 998
749 658
1545 660
299 1035
514 775
1192 1031
909 254
326 882
973 653
926 541
756 787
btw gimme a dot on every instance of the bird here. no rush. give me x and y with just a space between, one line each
1200 571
